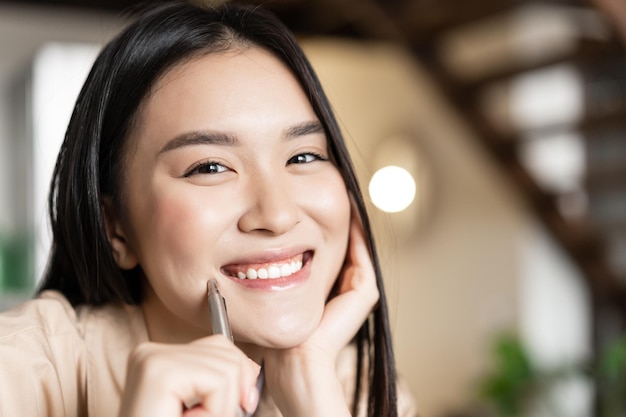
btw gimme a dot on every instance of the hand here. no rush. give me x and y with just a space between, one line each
211 373
298 377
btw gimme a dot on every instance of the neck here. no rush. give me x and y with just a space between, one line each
165 327
252 351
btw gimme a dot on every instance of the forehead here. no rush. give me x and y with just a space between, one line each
230 73
225 90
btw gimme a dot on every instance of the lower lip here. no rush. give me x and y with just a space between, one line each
276 284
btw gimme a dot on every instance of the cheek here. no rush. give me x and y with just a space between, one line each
176 221
330 206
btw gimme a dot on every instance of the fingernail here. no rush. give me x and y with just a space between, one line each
252 401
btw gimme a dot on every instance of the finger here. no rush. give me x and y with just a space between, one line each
249 392
343 317
209 373
359 273
358 292
250 370
235 369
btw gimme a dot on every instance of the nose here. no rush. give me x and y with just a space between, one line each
271 208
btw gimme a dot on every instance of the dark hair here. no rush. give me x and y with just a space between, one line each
89 165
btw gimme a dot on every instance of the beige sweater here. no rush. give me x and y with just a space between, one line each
57 361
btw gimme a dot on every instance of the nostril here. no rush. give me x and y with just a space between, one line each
270 216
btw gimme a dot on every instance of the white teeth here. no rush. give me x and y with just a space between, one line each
285 270
274 271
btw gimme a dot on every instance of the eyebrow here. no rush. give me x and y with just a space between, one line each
202 137
210 137
303 129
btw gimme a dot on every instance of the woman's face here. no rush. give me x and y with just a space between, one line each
228 177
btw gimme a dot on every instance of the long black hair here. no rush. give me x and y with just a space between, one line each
89 165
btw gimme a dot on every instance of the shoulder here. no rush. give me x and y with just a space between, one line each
62 355
40 356
51 316
46 316
49 326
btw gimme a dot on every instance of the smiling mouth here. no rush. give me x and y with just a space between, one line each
272 270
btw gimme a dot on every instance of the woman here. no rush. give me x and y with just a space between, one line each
202 147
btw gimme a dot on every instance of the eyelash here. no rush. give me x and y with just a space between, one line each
200 166
316 157
197 168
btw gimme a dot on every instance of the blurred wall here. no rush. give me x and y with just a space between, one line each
478 261
452 281
23 30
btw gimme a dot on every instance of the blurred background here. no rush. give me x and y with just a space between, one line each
489 137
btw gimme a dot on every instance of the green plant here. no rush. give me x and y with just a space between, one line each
611 378
515 383
508 388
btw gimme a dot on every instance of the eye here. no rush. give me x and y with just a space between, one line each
305 158
207 167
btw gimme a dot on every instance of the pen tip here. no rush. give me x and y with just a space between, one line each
211 286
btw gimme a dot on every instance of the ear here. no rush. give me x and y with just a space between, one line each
124 256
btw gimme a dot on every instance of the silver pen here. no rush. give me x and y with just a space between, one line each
217 307
219 320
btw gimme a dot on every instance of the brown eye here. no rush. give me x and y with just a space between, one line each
305 158
206 168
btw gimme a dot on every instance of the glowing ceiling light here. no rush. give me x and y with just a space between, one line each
392 189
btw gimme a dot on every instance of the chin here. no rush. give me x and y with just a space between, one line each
288 340
286 333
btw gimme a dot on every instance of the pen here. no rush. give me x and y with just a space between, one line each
219 319
217 307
